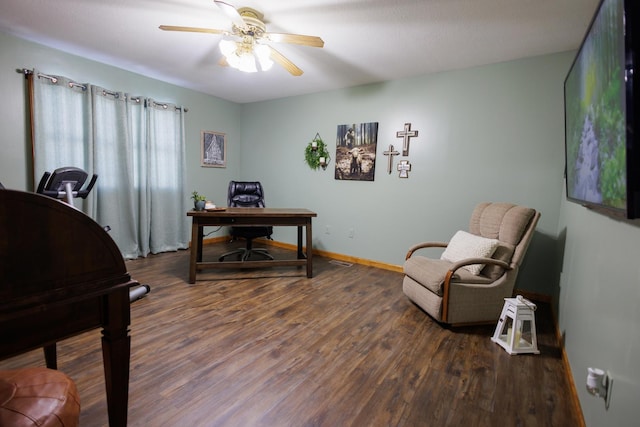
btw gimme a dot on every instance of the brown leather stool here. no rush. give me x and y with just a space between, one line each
38 397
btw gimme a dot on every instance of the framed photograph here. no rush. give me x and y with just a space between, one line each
213 149
356 146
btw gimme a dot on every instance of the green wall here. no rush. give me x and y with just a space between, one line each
487 133
491 133
599 315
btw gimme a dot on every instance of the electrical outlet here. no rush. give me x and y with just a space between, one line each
327 229
351 233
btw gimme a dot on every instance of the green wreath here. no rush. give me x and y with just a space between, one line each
312 154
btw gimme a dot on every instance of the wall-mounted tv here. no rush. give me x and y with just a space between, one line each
602 122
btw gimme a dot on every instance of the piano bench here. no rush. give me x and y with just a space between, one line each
38 397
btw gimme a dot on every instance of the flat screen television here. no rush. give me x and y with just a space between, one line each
602 126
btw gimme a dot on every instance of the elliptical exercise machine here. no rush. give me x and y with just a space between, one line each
67 184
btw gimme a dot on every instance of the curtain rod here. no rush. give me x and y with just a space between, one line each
110 93
165 106
54 79
27 73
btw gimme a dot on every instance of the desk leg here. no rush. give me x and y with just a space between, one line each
116 350
200 237
309 250
300 252
195 250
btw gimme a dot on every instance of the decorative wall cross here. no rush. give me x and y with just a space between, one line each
404 167
405 135
390 152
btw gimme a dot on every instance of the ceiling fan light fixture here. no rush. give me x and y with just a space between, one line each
243 56
228 47
265 65
233 60
239 57
247 63
263 53
250 31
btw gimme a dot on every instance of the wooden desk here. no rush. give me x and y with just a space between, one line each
61 274
251 216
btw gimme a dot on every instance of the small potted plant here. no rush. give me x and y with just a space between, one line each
199 201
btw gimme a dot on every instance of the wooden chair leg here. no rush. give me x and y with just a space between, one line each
445 296
51 356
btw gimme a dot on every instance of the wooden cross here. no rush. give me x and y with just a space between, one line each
405 135
390 152
404 167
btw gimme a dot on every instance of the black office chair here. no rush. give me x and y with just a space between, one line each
248 195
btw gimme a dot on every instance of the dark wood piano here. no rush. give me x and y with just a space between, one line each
61 274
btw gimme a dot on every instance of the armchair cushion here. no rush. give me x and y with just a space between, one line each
465 245
431 273
502 221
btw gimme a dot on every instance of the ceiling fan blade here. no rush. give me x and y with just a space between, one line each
295 39
191 29
231 12
285 63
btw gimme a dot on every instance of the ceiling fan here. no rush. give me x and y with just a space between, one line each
250 40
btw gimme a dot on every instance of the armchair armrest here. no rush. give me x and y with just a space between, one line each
470 261
414 248
447 280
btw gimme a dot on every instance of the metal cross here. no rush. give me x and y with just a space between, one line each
390 152
404 167
405 135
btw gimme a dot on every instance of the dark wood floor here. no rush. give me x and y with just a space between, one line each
346 348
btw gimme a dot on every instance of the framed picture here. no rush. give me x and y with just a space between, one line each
356 146
213 149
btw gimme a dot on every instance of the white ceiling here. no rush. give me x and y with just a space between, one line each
366 41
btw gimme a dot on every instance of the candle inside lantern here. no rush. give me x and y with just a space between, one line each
323 161
314 145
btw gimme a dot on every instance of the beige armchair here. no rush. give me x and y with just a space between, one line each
476 270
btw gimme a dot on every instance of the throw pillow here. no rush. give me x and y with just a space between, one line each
503 252
465 245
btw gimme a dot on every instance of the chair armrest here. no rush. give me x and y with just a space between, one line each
414 248
447 280
470 261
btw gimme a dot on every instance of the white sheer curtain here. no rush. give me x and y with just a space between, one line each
136 147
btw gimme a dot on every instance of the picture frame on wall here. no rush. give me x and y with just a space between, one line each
213 149
356 146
